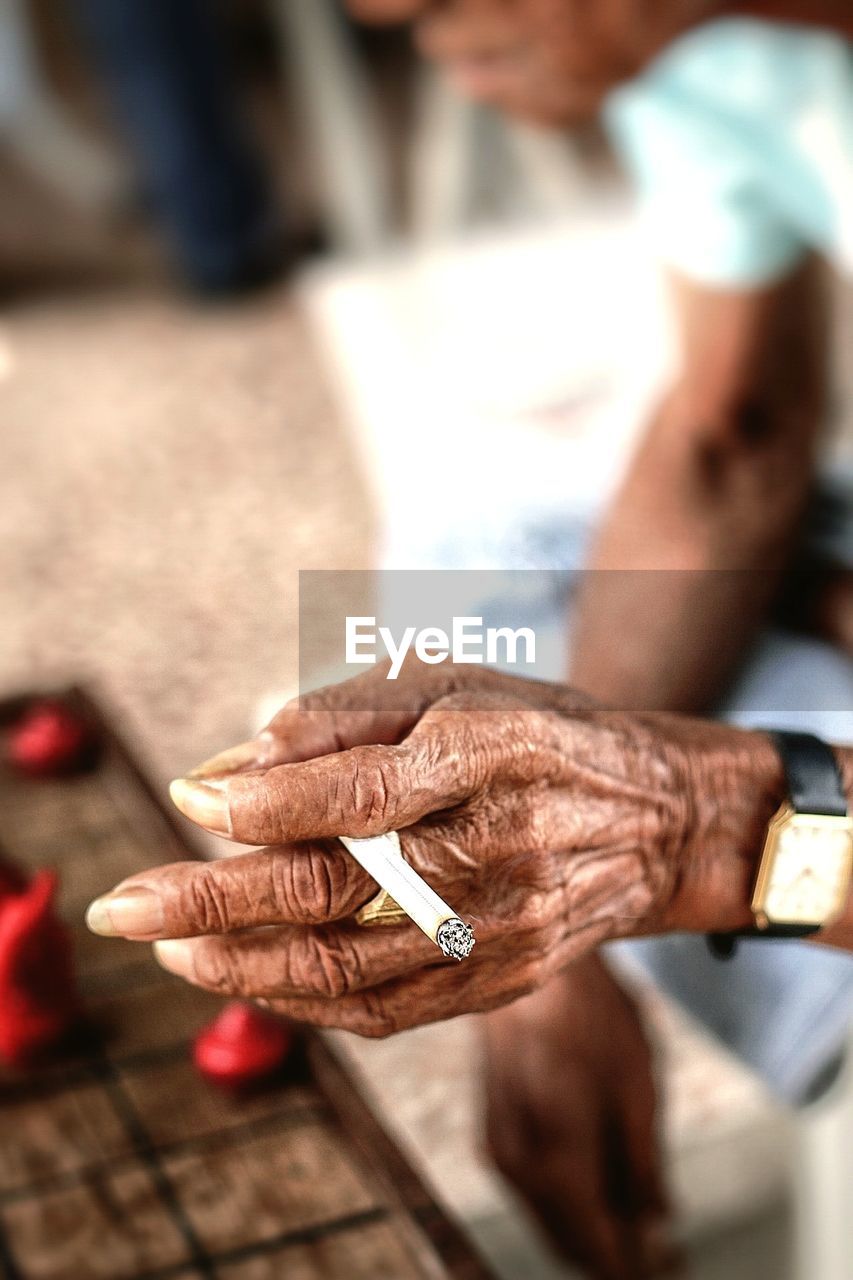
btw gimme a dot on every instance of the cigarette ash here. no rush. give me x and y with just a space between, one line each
456 939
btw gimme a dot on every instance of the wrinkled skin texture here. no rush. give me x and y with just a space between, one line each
550 823
570 1121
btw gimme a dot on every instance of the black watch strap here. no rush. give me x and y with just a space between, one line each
724 945
812 774
814 786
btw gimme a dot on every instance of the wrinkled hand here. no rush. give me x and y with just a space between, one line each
548 822
570 1121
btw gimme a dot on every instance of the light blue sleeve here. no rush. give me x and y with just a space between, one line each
699 157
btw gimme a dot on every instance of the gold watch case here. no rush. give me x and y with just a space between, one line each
806 869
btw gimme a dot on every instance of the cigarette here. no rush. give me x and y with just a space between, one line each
382 858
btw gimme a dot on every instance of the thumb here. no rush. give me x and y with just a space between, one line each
357 712
364 791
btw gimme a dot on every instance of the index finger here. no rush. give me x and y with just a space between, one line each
361 792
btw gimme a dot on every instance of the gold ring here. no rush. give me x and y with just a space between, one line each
381 909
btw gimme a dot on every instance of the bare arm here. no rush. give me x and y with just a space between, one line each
691 553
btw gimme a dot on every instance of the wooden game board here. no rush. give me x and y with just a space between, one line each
117 1160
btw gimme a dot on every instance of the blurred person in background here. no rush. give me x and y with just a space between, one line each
165 65
737 127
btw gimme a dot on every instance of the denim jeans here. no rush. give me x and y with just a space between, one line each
168 79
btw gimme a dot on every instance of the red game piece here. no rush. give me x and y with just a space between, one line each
241 1047
37 999
48 740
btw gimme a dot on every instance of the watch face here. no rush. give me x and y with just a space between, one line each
805 870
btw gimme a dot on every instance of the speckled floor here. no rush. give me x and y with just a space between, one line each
165 473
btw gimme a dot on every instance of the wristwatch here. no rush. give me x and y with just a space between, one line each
806 866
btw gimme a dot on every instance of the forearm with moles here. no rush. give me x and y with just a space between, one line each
689 560
690 555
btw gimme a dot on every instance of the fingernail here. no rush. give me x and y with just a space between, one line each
176 955
246 755
203 802
133 912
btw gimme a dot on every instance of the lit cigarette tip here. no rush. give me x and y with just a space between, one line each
456 939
